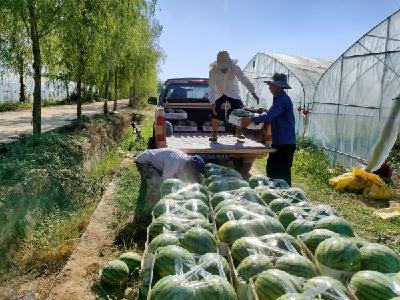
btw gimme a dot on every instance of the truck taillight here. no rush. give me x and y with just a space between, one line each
160 126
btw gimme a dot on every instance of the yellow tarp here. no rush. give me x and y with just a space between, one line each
371 185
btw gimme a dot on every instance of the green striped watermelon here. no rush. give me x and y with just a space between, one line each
267 194
290 213
166 205
251 206
196 205
313 238
171 260
278 204
246 193
194 187
215 288
254 265
340 254
237 212
283 241
162 240
115 273
258 180
215 264
132 260
376 257
336 224
272 284
199 241
300 226
294 193
296 265
172 287
321 211
220 197
327 285
170 222
233 230
170 186
372 285
227 185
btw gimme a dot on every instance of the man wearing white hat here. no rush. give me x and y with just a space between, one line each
282 120
223 90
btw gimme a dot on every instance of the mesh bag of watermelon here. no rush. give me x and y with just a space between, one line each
195 283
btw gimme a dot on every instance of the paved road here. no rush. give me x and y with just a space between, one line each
14 123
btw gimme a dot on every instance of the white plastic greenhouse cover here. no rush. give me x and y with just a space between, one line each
354 98
303 74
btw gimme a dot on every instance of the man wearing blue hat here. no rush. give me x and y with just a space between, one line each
172 163
282 120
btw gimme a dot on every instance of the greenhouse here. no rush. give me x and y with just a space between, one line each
353 100
303 75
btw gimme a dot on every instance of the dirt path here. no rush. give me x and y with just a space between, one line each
14 123
76 279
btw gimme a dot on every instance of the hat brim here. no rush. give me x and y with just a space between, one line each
269 82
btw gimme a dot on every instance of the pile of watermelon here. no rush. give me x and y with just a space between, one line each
279 245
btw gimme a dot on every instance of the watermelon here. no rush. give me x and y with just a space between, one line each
278 204
313 238
115 273
279 183
296 265
165 205
233 230
335 224
132 260
290 213
273 245
272 284
254 265
293 296
294 193
327 285
172 287
372 285
171 260
251 206
196 205
203 223
166 221
195 195
220 197
300 226
237 212
245 193
376 257
163 240
199 241
305 205
215 264
258 180
214 287
227 185
240 113
360 242
321 211
194 187
267 194
340 254
171 186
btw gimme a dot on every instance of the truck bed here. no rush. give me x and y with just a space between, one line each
198 143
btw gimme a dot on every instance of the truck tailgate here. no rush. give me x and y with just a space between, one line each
227 144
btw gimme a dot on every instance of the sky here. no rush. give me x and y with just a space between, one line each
195 30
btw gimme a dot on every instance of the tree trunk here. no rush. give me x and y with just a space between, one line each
22 97
81 69
37 65
67 88
115 91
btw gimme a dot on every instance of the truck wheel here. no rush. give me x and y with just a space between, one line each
243 165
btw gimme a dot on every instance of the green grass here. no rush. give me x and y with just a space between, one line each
43 185
17 106
311 171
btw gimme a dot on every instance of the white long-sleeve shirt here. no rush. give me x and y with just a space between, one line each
169 161
227 83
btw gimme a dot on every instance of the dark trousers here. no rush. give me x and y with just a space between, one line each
235 104
279 163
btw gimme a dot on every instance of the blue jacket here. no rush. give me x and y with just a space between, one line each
282 119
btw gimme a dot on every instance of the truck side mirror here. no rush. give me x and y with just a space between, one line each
152 100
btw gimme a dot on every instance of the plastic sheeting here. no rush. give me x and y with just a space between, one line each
303 75
354 98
